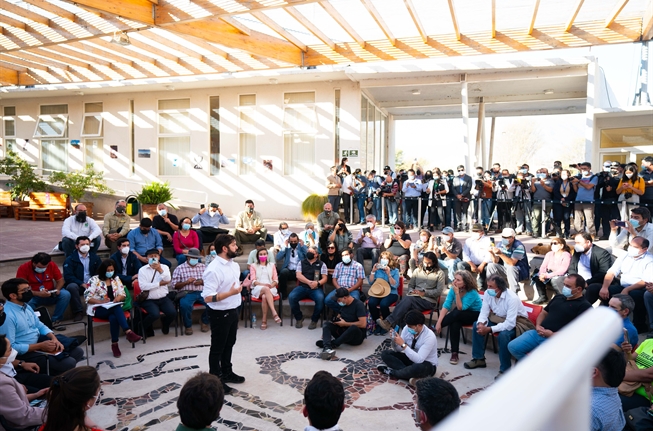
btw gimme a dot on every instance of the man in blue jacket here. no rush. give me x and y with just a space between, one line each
77 269
126 263
289 257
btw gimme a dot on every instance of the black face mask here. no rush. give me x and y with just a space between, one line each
26 296
145 231
294 245
310 255
81 216
251 210
120 210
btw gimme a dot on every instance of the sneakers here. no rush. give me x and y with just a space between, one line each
204 327
312 325
384 369
454 358
133 337
299 324
116 350
57 326
327 354
320 344
188 331
475 363
233 378
226 388
540 300
384 324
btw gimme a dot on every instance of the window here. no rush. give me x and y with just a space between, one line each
247 135
626 137
95 153
9 120
54 154
174 137
52 122
214 134
300 127
92 122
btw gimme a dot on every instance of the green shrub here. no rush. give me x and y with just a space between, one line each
313 205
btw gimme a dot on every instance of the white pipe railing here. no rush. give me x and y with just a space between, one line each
550 390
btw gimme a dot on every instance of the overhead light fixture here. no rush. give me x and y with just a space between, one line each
416 92
120 38
548 91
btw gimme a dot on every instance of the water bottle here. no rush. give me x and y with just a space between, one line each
253 320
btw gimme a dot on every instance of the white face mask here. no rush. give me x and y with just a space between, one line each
629 174
124 250
633 252
555 247
346 259
411 177
370 225
12 356
285 232
84 248
579 248
384 262
163 213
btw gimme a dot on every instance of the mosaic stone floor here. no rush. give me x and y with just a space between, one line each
140 389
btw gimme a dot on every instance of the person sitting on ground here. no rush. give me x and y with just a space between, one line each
311 278
279 239
399 245
15 409
348 274
29 335
449 252
634 270
291 255
424 290
211 255
369 241
47 284
79 224
426 242
384 281
560 311
624 306
324 402
104 298
199 403
309 236
500 314
341 236
166 224
144 238
476 253
249 226
116 226
188 278
264 282
127 264
589 260
462 307
209 222
71 395
331 258
643 357
348 327
608 374
435 400
78 268
638 225
551 273
155 278
509 259
414 353
184 239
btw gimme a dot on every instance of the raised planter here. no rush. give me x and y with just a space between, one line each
149 210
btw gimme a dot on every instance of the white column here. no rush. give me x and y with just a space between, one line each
491 149
480 127
592 97
465 111
391 144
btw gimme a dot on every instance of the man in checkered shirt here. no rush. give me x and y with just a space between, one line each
188 278
349 274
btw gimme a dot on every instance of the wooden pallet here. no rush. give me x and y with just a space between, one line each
5 204
44 206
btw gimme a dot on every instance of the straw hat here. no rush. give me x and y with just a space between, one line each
380 288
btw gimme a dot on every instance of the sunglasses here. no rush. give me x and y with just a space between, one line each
461 170
331 248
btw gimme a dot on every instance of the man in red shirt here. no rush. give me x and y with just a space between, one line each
46 282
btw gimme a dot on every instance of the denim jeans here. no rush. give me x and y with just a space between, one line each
116 318
478 346
486 211
381 306
186 308
377 208
525 343
61 300
449 265
331 302
360 203
391 208
411 211
181 258
302 292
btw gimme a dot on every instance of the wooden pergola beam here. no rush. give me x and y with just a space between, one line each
21 11
236 24
415 17
379 21
261 16
647 23
570 23
22 62
310 26
615 12
8 76
534 16
454 20
136 10
50 7
494 19
343 23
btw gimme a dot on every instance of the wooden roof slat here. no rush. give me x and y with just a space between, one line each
201 43
236 24
96 51
21 11
136 10
52 8
579 4
4 19
149 48
174 45
22 62
535 9
310 26
494 19
380 21
343 23
45 52
261 16
615 12
416 20
454 20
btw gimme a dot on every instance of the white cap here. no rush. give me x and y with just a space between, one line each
507 232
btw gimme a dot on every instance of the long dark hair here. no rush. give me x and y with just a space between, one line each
68 399
632 169
102 269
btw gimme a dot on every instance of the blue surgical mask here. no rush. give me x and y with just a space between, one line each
193 262
109 274
342 304
634 223
412 331
504 242
214 253
39 270
153 260
185 226
567 292
491 292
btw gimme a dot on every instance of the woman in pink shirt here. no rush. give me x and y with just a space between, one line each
556 263
184 239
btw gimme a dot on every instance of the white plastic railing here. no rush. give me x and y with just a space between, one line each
550 390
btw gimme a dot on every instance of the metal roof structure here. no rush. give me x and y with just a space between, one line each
86 41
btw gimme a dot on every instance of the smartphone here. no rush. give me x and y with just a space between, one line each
626 338
392 230
397 329
366 230
202 206
438 241
492 241
620 223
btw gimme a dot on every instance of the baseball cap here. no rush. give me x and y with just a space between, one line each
507 232
213 205
387 168
477 227
447 230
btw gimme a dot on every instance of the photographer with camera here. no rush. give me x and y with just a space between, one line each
448 251
360 194
541 190
630 188
484 186
563 199
436 191
389 190
521 209
503 199
607 193
584 186
412 190
462 188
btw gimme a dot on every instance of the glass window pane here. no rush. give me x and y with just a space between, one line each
95 153
626 137
92 107
214 103
51 125
299 154
304 97
173 155
247 120
174 104
247 100
10 127
54 109
300 118
173 123
54 153
247 153
92 125
9 111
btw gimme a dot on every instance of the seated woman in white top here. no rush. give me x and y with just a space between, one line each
264 281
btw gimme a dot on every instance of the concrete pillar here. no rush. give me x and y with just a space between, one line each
480 126
491 149
465 111
592 97
391 144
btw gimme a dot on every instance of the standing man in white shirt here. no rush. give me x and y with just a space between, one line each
506 308
221 293
78 225
155 278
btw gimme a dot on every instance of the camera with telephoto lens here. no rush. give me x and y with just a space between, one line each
502 183
478 184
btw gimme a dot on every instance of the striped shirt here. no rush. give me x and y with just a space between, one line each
185 271
607 414
348 275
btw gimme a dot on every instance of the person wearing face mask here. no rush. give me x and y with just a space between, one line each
369 242
520 189
348 274
184 239
127 264
79 224
360 194
502 191
501 313
210 255
647 176
347 193
26 373
290 255
46 282
624 305
384 281
412 189
103 300
327 220
166 224
628 275
563 196
509 259
449 252
209 223
561 311
308 235
78 268
29 336
435 400
630 188
541 190
144 238
311 278
551 273
279 238
263 282
639 224
333 185
399 245
15 408
425 243
249 226
348 327
187 281
389 191
155 278
436 189
584 202
462 188
116 226
589 260
331 258
476 253
341 236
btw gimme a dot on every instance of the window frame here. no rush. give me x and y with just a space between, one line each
65 117
186 169
290 130
8 118
93 114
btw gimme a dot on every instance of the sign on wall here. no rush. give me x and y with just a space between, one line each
144 154
350 153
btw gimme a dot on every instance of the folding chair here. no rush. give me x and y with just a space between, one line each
142 312
251 299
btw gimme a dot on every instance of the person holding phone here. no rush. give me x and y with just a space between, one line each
209 221
369 241
639 224
398 243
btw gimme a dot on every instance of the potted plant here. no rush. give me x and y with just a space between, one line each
23 178
76 184
151 195
313 205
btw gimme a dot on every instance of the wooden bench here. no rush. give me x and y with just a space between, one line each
5 204
44 206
